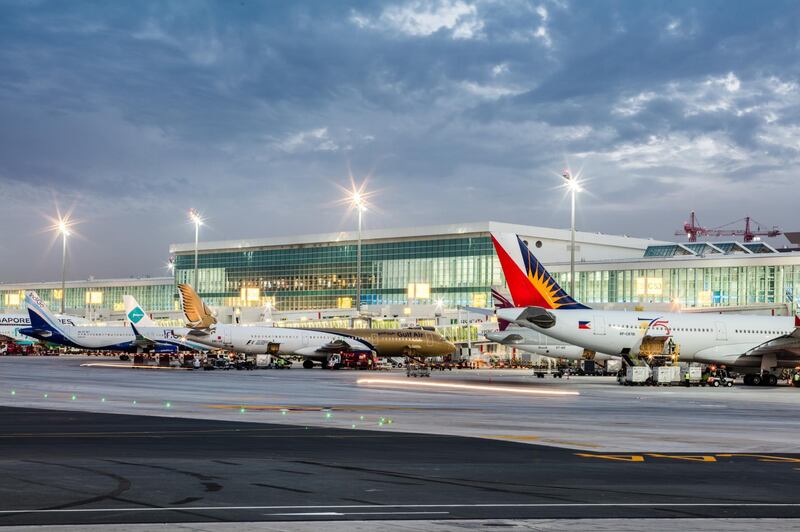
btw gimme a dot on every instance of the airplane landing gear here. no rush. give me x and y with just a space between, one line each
756 379
308 364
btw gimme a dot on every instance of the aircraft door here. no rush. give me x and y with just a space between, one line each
226 336
722 331
305 339
599 325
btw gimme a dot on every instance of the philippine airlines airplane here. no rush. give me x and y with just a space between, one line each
11 324
44 326
530 341
758 346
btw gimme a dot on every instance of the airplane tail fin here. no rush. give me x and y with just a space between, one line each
42 320
136 315
501 301
197 313
530 283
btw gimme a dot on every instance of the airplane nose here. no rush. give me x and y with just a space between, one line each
449 348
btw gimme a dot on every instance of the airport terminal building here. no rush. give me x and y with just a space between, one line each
446 265
421 272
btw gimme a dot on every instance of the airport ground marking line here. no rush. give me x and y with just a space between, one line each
309 514
378 506
456 386
762 457
687 457
619 457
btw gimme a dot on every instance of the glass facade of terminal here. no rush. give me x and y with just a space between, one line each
690 287
453 271
156 296
458 270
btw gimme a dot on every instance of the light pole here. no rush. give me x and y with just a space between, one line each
195 217
358 202
63 228
574 187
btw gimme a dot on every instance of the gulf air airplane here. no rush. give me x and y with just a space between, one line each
45 327
530 341
314 345
263 339
757 346
12 324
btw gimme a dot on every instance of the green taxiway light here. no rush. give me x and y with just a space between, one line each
74 397
327 414
283 411
45 396
103 400
134 403
167 405
13 392
353 426
242 410
361 418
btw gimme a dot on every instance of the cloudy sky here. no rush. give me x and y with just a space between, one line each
129 113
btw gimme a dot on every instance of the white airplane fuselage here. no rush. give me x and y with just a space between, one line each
708 338
534 342
11 324
256 339
115 338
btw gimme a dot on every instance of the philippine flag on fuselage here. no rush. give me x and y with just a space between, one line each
584 325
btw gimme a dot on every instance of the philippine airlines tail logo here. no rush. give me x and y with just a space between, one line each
529 282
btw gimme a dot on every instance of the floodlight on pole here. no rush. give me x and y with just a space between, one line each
357 200
197 220
62 226
574 186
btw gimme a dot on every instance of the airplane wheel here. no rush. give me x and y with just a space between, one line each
308 364
756 380
772 380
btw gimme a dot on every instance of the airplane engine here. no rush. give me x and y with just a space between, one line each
165 349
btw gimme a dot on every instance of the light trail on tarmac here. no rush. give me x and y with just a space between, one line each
454 386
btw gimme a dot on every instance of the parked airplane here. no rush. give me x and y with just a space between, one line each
530 341
11 324
44 326
314 345
758 346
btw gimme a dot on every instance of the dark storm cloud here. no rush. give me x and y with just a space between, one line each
253 112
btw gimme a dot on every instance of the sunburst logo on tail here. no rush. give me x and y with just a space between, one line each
529 282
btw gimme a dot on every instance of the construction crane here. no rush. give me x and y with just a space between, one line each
752 230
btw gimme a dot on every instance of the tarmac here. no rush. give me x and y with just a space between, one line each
589 413
96 445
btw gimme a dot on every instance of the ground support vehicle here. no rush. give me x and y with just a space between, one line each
418 370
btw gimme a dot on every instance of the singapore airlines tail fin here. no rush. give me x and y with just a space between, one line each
136 315
530 284
197 313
